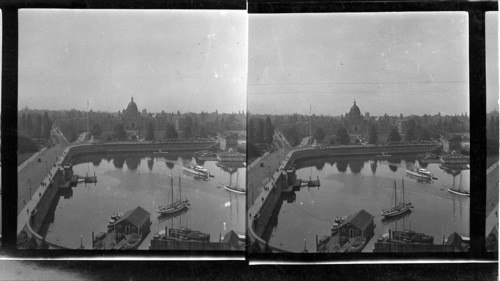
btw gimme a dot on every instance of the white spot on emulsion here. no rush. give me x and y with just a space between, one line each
227 204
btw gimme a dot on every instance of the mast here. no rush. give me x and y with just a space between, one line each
172 188
403 181
237 174
395 195
180 189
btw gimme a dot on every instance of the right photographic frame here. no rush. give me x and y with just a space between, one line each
492 131
359 133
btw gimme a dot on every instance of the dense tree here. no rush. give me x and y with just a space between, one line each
96 130
319 134
411 134
268 131
259 131
25 144
373 134
23 123
37 128
46 126
251 131
150 131
394 136
292 135
187 127
119 132
425 134
342 136
171 133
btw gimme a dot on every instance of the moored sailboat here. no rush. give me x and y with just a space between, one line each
398 208
176 206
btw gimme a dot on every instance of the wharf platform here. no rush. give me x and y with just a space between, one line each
110 242
333 245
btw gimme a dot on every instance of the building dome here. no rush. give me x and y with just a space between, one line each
132 108
355 112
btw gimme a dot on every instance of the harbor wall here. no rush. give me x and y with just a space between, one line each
38 215
362 150
133 147
260 220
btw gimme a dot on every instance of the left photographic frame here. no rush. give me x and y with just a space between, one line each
131 130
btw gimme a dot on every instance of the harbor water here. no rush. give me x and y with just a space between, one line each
351 184
125 181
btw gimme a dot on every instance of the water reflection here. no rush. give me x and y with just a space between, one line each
118 162
342 165
356 166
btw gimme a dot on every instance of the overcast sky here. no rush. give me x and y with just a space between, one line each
492 61
167 60
410 63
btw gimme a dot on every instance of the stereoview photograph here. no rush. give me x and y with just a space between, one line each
132 130
358 133
492 135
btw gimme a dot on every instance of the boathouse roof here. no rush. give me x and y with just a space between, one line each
361 219
453 138
136 216
231 238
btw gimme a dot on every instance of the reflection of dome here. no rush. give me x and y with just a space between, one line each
354 112
132 107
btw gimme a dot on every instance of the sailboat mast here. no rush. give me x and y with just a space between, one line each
395 195
180 189
403 183
237 174
172 189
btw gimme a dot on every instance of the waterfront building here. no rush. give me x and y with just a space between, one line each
136 221
358 224
232 156
228 141
452 143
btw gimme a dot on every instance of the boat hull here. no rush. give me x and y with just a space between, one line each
193 171
234 190
458 192
418 175
167 211
402 210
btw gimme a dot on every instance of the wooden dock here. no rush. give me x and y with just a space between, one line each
86 178
114 241
333 245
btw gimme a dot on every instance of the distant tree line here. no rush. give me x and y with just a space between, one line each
260 131
35 125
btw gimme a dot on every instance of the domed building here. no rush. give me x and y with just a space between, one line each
354 122
132 120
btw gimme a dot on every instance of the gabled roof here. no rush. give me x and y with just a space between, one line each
136 216
229 136
453 138
361 219
231 154
231 238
